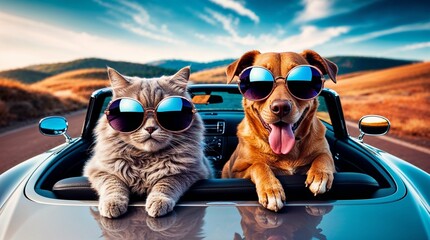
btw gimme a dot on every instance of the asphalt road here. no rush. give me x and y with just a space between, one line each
417 155
23 143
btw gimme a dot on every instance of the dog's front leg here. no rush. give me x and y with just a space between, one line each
269 190
320 174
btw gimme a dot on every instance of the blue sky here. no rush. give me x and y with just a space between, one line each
47 31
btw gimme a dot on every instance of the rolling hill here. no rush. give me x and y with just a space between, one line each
75 83
57 94
24 75
347 64
351 64
39 72
215 75
36 73
401 94
21 102
127 68
348 67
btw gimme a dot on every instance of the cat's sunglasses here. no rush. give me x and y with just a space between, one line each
173 114
304 82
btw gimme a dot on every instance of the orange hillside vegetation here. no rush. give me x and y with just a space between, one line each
19 102
214 75
78 83
401 94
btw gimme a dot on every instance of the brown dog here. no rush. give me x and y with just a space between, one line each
264 148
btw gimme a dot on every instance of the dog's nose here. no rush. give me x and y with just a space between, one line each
280 107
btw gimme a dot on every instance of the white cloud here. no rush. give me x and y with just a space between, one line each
238 8
318 9
145 33
228 23
205 18
311 36
25 42
308 37
416 46
139 21
314 9
398 29
409 47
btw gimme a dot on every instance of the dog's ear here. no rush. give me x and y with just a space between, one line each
326 66
237 66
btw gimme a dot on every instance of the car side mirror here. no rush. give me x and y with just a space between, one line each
373 125
54 126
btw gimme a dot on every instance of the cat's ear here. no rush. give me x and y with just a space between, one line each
118 81
180 79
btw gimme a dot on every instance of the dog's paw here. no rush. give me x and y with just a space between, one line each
111 207
271 195
267 219
158 204
319 182
318 211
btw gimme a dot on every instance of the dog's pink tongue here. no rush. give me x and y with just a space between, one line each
281 138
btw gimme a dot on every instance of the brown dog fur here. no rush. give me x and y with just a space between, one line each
254 159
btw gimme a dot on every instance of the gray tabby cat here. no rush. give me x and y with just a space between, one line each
149 160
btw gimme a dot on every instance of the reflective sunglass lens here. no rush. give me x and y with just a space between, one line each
125 115
256 83
175 114
304 82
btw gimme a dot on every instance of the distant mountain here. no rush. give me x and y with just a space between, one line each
347 64
350 64
36 73
195 66
127 68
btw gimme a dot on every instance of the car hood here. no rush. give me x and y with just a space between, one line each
22 218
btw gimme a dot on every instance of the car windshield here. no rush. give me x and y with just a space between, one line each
217 101
230 101
322 112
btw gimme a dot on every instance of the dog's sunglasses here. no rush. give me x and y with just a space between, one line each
304 82
174 114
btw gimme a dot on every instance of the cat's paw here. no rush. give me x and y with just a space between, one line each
162 224
112 207
158 204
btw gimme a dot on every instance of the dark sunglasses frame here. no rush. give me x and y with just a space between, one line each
146 111
285 79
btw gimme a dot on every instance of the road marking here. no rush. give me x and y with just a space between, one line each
396 141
